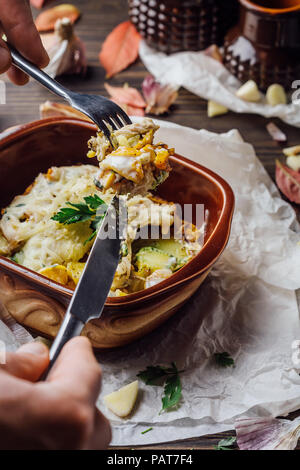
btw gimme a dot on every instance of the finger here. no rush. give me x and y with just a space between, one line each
18 25
28 362
101 435
17 76
5 59
77 370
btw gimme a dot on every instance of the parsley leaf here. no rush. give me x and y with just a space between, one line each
172 392
93 208
170 378
224 444
224 359
152 375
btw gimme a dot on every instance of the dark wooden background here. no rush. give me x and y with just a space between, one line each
98 19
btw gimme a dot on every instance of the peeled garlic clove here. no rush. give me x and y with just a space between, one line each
289 151
267 433
293 162
215 109
276 95
122 401
249 92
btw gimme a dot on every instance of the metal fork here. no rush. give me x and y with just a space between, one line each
99 109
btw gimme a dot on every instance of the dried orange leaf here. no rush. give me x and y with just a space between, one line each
288 181
130 110
52 109
47 19
120 49
126 95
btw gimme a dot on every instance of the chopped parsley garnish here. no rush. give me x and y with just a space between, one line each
93 209
224 444
224 360
146 430
167 376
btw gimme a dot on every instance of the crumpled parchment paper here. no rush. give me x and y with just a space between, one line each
247 307
250 311
209 79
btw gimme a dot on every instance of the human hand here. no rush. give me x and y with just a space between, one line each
59 413
17 24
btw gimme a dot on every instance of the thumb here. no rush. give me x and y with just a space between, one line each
28 362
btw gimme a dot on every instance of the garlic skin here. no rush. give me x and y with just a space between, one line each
267 433
67 52
157 96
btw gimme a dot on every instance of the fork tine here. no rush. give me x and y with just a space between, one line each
117 111
118 120
110 122
124 116
104 129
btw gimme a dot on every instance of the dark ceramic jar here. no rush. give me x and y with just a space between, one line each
183 25
265 45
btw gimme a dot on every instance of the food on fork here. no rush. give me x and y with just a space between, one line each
135 165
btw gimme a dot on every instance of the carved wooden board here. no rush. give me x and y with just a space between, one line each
43 314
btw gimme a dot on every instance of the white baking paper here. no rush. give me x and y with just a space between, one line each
247 307
209 79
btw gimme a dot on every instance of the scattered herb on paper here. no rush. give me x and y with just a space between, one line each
225 444
224 359
170 378
147 430
93 208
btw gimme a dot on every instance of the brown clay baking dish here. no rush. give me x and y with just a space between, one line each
39 303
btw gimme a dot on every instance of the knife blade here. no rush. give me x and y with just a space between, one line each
94 285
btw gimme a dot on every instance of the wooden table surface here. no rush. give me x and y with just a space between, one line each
98 19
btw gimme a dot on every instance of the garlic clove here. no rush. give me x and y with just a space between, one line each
215 109
276 95
292 151
249 92
267 433
122 401
67 52
158 97
293 162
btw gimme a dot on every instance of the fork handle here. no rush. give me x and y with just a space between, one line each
28 67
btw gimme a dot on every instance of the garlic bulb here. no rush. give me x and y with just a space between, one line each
67 51
157 96
267 433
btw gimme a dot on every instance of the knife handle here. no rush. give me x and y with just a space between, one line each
70 327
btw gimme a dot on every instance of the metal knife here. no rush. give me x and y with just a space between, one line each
93 288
